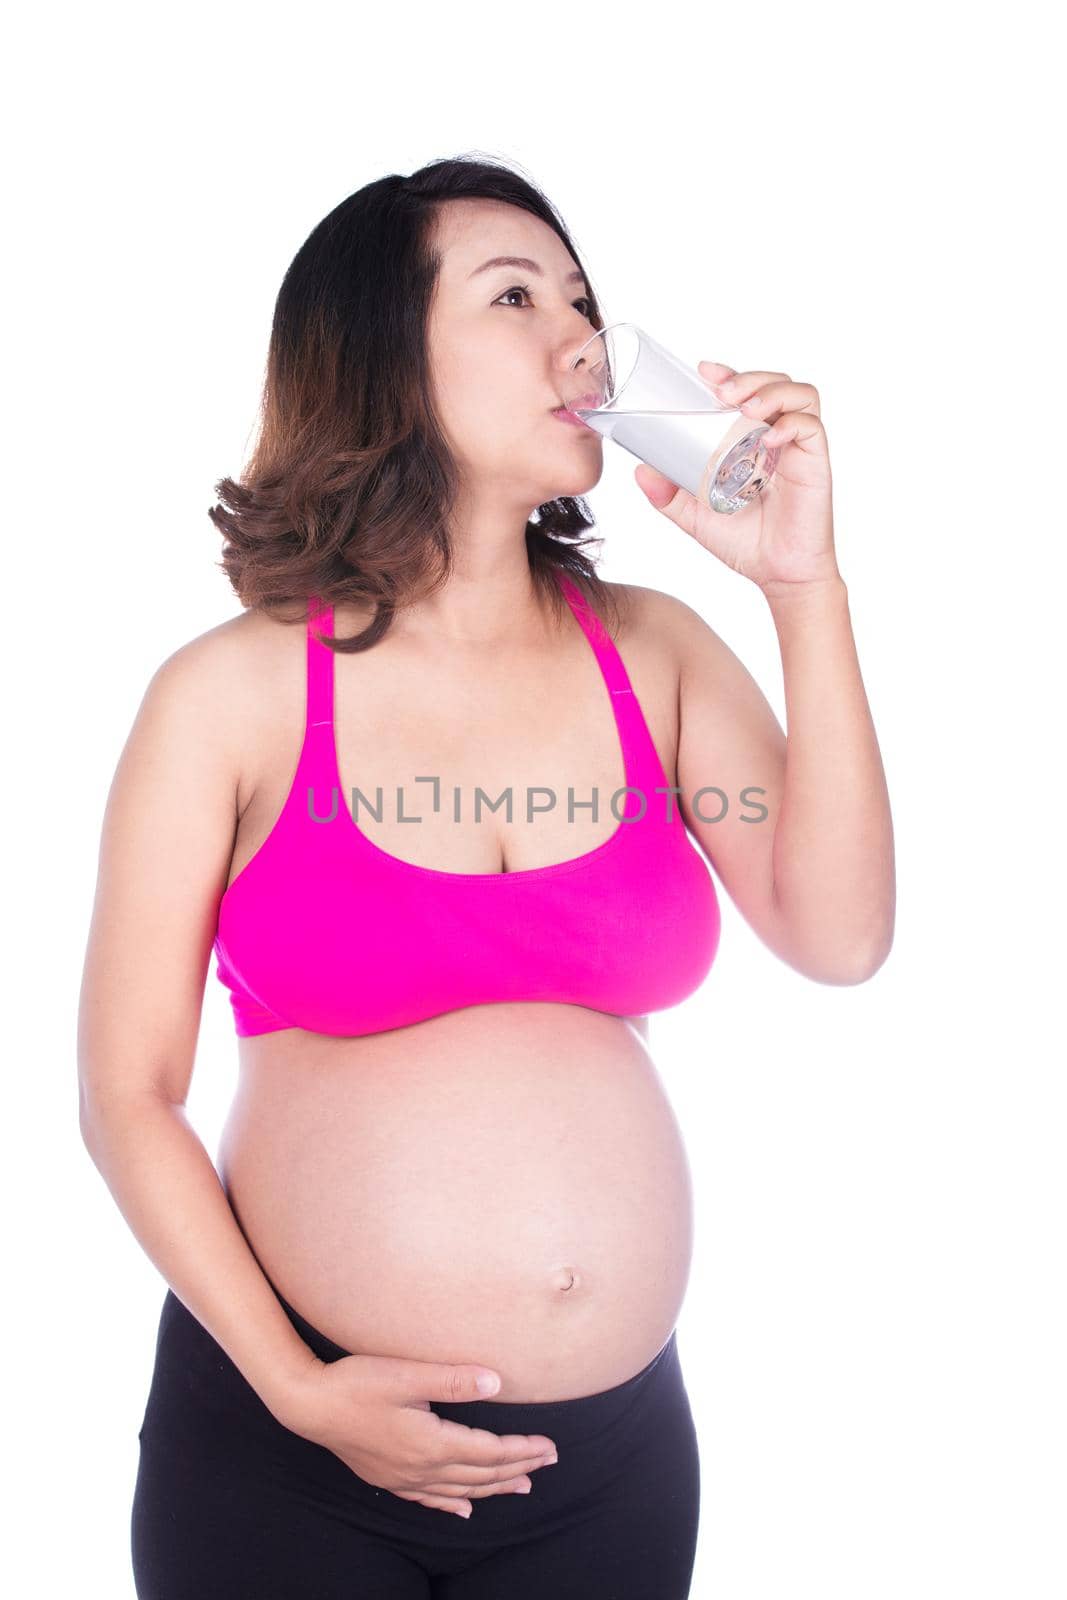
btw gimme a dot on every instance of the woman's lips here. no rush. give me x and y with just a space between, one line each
566 414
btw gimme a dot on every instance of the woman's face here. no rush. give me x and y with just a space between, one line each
500 358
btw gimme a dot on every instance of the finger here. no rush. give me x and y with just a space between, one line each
772 399
482 1447
715 369
733 391
480 1491
521 1485
462 1508
797 427
676 503
720 376
468 1472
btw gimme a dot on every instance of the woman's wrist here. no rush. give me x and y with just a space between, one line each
290 1394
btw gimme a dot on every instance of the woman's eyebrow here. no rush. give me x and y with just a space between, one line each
526 264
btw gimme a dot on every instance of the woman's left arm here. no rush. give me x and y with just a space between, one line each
833 873
819 886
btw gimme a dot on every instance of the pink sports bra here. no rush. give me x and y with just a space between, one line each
323 930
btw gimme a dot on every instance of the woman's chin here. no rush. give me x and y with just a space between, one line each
579 481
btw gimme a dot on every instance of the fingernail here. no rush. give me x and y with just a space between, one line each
550 1461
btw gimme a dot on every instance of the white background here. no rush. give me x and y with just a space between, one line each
873 1338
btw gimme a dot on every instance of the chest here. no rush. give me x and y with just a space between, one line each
507 765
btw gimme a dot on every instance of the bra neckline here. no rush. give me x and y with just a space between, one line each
522 874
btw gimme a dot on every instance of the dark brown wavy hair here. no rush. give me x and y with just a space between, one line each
350 483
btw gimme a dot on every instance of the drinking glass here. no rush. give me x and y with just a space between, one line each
643 398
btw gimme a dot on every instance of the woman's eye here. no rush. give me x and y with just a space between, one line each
522 288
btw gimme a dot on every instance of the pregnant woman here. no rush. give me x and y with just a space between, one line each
432 802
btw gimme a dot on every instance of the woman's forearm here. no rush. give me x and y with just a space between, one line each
834 876
166 1187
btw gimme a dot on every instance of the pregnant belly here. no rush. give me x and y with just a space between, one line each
504 1185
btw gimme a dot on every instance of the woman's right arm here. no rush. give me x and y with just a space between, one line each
167 840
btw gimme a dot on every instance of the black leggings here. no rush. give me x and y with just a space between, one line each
231 1505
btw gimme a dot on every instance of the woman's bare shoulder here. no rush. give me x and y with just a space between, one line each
232 656
649 619
232 678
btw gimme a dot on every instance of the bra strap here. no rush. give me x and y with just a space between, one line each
643 767
319 666
611 663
